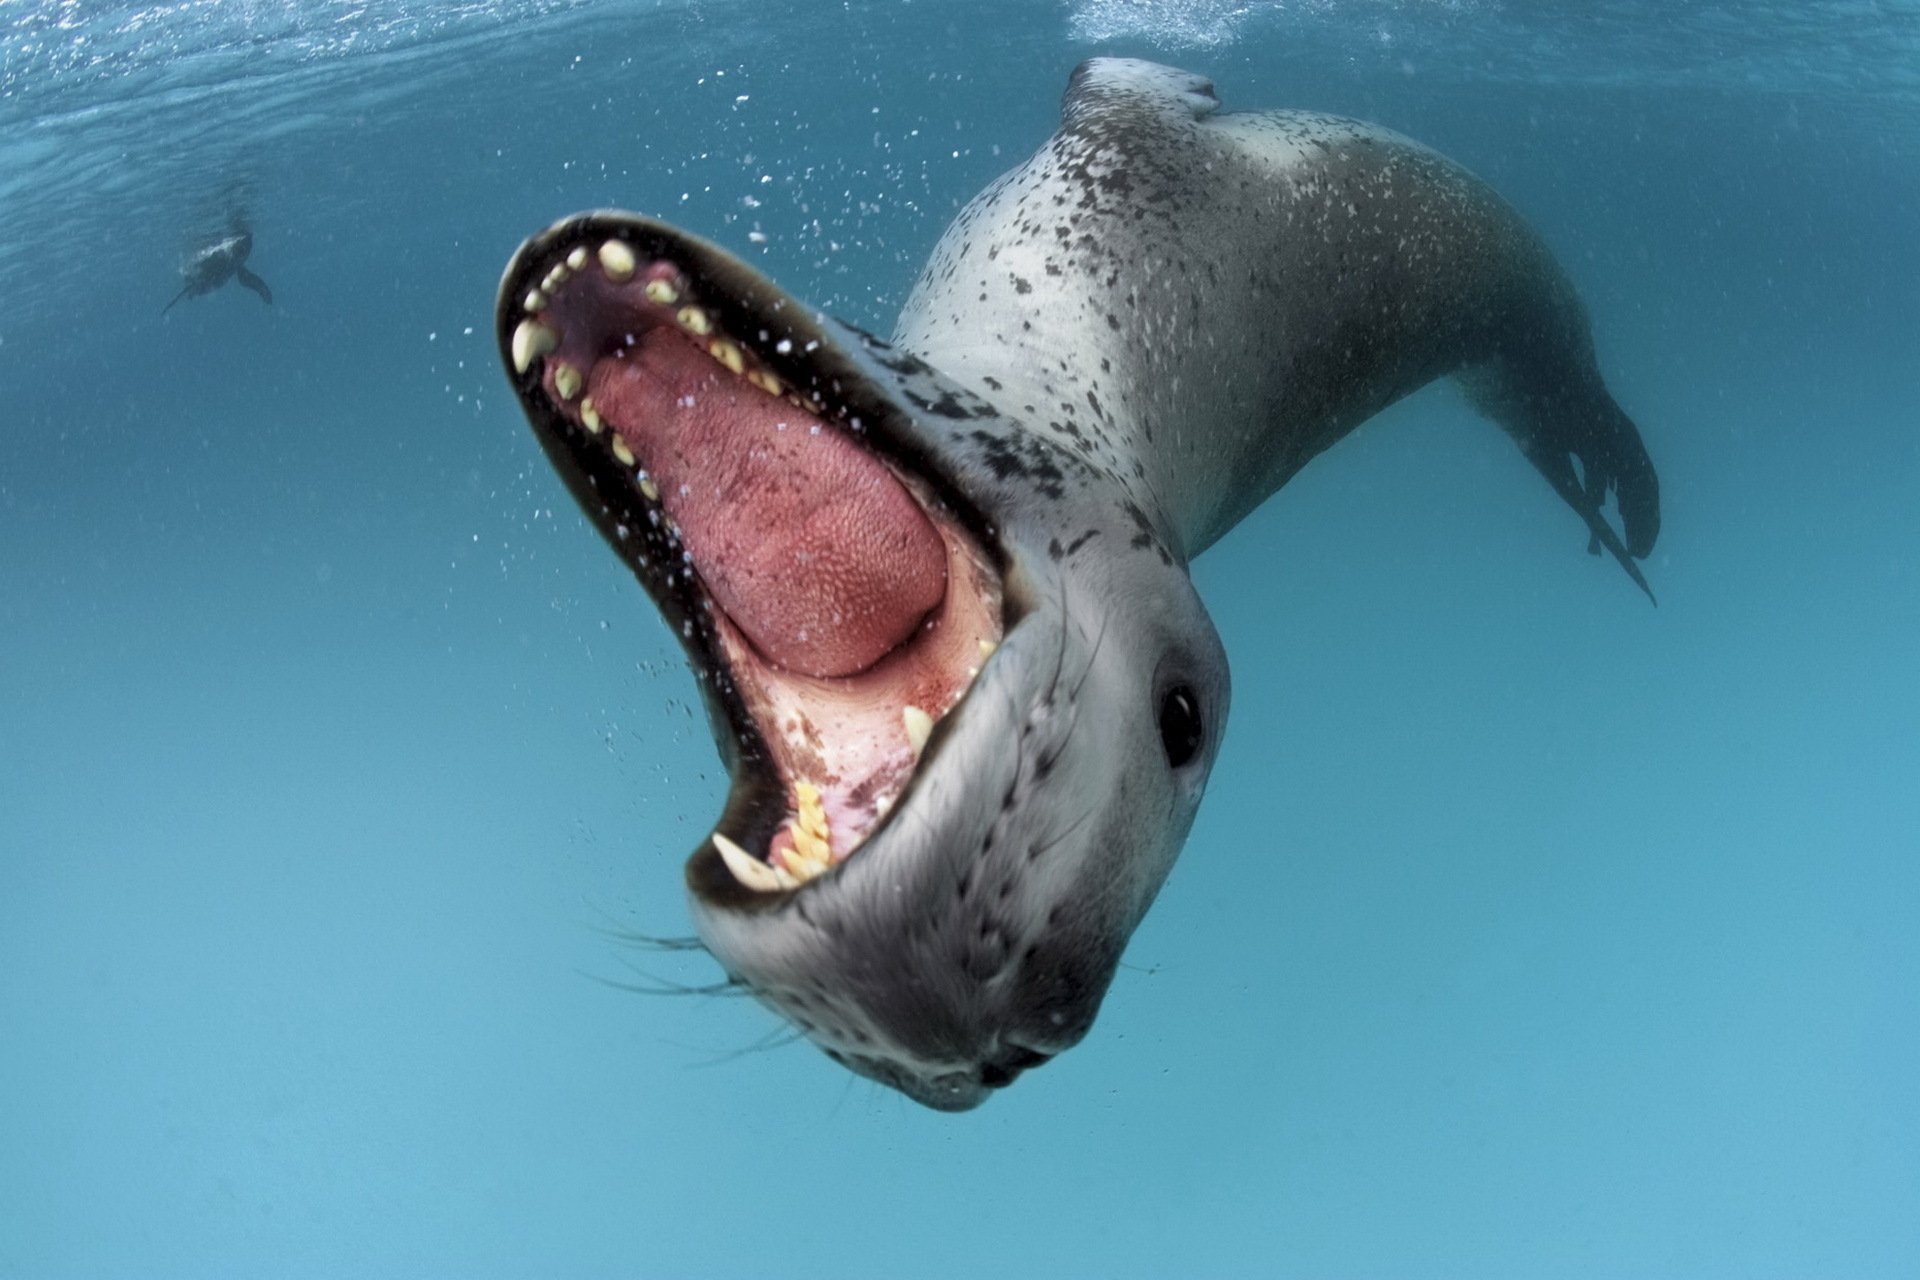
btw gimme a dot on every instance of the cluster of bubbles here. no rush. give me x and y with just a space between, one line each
1773 46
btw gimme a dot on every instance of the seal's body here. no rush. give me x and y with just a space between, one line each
947 819
1202 302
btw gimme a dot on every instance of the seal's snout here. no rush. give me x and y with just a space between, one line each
961 1089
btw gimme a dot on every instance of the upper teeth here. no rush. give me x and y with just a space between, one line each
534 338
617 260
531 340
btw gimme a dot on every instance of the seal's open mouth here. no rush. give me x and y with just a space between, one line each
835 602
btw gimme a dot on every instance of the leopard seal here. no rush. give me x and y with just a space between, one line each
935 590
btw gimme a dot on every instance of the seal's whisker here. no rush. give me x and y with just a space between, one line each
651 942
612 928
652 985
779 1037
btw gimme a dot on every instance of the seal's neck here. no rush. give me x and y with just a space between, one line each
1182 429
1130 332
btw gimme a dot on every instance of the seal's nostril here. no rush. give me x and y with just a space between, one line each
1019 1057
995 1076
1005 1069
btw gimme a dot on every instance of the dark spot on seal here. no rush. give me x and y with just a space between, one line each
1000 456
1023 457
947 406
1146 536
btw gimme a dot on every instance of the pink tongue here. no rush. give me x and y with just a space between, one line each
808 543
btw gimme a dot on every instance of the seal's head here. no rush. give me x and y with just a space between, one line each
966 693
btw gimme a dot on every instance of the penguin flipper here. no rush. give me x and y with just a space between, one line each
254 283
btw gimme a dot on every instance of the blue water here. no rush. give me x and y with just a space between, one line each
1528 930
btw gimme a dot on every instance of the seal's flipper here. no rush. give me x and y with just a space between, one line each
1558 469
1578 419
254 283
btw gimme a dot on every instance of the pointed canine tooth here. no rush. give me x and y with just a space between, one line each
919 727
765 381
987 647
727 354
590 416
566 380
616 259
531 340
749 870
694 321
534 300
622 452
578 258
649 488
662 292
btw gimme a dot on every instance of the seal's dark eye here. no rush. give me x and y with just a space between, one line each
1180 728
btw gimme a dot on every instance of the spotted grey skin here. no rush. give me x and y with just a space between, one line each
1116 352
1170 311
213 264
1201 302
